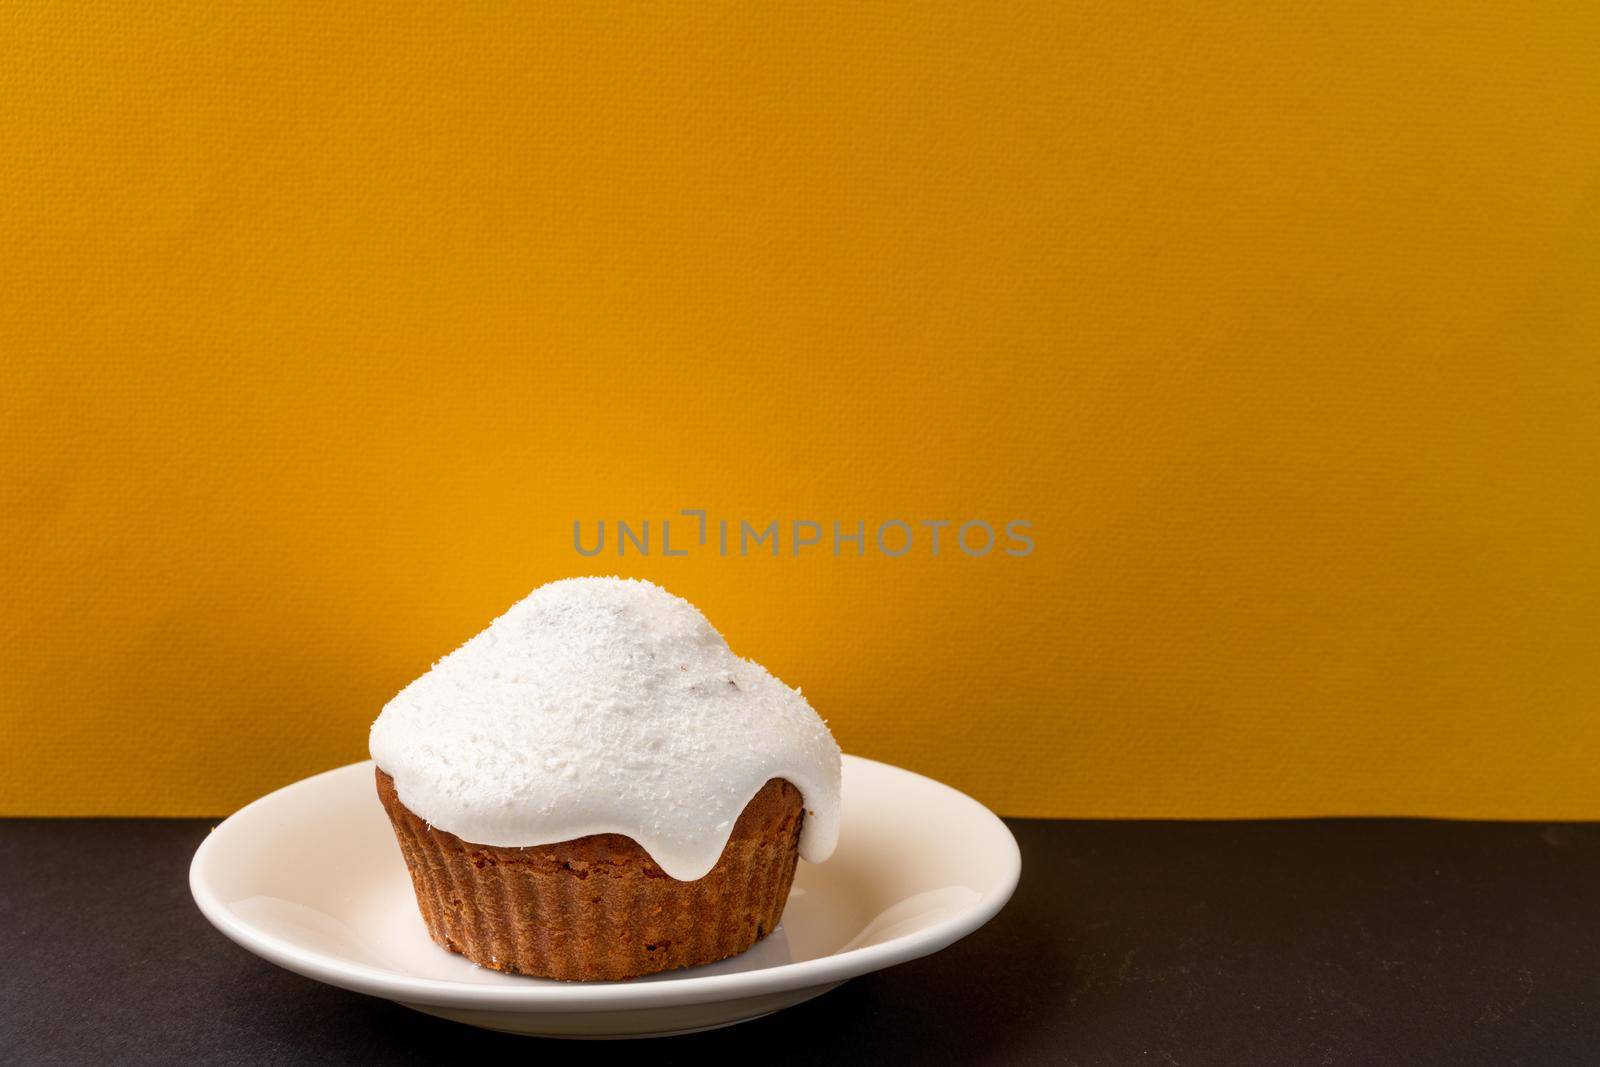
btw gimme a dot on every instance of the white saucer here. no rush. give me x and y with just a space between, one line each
310 878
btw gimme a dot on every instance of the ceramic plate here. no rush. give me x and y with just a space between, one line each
310 878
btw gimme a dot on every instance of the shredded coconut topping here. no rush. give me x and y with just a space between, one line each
605 705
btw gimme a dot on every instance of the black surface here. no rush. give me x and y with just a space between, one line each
1318 942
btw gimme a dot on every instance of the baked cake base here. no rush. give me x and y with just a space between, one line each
598 908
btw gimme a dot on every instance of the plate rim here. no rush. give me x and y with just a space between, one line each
605 996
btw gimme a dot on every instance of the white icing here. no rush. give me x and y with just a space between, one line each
605 705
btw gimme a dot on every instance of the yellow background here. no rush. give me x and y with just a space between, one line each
320 324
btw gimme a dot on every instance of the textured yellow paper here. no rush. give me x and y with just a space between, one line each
320 324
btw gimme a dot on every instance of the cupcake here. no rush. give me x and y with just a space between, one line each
596 788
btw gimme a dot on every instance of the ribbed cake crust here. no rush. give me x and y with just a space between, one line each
597 908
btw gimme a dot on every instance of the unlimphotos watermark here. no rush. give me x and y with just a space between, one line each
698 532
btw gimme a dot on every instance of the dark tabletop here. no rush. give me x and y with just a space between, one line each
1318 942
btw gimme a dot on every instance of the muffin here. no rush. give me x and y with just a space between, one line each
596 788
